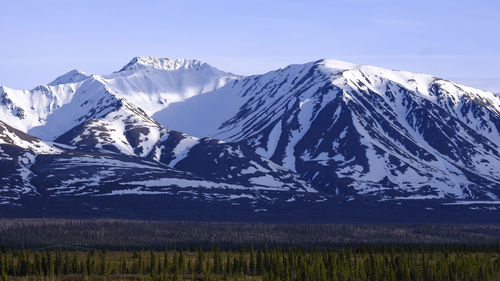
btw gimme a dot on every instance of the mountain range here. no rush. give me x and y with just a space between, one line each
321 141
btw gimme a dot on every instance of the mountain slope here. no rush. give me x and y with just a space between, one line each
322 140
75 97
18 153
346 129
231 162
123 128
359 130
128 130
25 109
101 118
30 168
154 83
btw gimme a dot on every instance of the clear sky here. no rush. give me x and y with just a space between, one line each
457 40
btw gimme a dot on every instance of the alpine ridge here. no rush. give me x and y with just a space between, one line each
321 141
360 130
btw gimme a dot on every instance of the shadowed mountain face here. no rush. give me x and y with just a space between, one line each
317 134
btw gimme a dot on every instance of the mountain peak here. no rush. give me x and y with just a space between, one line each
71 77
337 64
162 63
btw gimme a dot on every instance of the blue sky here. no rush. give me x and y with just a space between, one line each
457 40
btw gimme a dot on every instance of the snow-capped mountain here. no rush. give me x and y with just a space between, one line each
149 83
154 83
128 130
218 160
359 130
122 128
18 152
307 137
31 168
107 144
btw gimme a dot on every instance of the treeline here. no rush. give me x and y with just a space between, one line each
366 263
122 234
